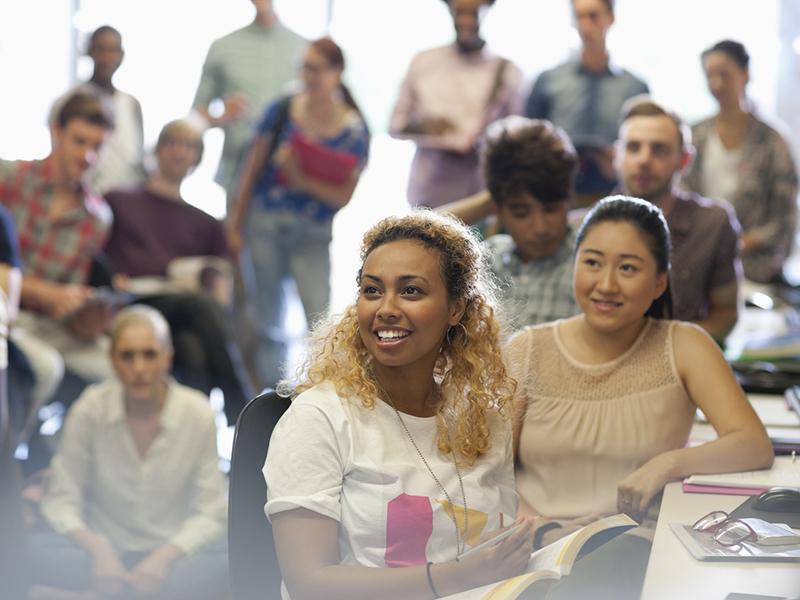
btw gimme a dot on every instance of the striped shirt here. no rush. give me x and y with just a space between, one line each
536 291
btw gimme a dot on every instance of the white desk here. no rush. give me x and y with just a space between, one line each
673 573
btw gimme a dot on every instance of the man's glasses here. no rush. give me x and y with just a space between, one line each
725 530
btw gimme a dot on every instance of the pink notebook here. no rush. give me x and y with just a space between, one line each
695 488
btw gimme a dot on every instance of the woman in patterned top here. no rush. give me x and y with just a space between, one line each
745 161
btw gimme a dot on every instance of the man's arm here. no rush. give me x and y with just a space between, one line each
723 310
67 302
211 88
470 209
55 300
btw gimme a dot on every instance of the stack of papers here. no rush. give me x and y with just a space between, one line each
785 472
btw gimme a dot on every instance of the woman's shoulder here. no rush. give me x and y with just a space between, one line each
321 399
530 334
684 330
529 337
701 131
690 342
519 351
772 134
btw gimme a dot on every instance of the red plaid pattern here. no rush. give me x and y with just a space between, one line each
60 250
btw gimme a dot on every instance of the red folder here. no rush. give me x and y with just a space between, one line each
321 162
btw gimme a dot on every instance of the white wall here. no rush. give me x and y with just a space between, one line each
166 41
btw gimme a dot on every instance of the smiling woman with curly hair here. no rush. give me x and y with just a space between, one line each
396 452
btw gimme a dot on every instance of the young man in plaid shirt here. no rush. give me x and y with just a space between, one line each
61 224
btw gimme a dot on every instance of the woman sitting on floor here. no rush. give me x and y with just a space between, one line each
136 498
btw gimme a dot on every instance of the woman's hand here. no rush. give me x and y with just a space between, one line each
148 577
568 526
286 161
507 558
637 490
108 574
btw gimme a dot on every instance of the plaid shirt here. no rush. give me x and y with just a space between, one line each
60 251
536 291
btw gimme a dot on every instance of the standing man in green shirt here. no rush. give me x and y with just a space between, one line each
245 69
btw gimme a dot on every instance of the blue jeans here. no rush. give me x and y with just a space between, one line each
55 561
284 245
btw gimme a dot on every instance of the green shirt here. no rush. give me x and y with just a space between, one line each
253 61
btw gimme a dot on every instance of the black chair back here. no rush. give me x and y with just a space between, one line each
252 564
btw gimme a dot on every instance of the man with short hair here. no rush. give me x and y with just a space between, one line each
653 150
529 167
245 70
119 163
447 98
154 226
61 224
584 96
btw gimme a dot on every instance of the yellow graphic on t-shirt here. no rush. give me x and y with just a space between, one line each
476 521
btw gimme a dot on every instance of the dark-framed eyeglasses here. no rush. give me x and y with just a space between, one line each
725 530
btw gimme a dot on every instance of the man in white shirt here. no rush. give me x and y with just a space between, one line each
119 164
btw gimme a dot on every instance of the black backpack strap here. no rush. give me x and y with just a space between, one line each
279 125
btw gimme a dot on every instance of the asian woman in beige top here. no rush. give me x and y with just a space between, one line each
606 398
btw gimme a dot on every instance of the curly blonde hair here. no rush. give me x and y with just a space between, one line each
470 369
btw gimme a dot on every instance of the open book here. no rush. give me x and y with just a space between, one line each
554 561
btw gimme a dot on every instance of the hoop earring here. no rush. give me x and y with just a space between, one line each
447 334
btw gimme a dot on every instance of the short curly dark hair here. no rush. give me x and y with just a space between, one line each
528 155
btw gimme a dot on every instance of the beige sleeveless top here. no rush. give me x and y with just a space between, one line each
586 427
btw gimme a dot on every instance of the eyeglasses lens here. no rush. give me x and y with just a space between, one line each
732 533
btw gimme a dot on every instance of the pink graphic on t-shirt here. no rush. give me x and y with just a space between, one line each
409 525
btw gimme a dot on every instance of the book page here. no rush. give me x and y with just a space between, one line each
553 561
552 557
560 556
508 589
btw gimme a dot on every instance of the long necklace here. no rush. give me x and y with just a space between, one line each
460 543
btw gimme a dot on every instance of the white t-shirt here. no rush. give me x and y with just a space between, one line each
720 170
357 466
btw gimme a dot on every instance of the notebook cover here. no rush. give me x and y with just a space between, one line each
322 162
